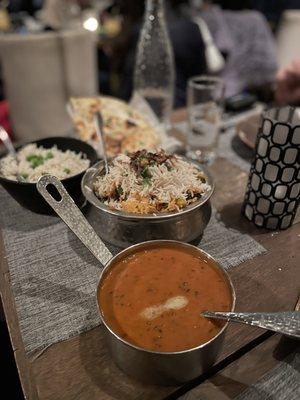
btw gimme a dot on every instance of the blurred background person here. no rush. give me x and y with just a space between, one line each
246 42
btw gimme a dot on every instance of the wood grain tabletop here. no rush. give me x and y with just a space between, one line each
80 368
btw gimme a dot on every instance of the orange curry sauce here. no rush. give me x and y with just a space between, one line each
153 298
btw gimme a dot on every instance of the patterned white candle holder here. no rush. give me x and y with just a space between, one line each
273 189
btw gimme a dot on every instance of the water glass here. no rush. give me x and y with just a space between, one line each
204 100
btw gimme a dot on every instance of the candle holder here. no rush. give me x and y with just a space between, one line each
272 194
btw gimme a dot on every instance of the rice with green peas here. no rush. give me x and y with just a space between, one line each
33 162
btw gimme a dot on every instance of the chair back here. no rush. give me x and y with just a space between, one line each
40 72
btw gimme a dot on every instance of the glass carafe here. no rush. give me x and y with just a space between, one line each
154 73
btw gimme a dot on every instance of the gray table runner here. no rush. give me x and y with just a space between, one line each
281 383
54 277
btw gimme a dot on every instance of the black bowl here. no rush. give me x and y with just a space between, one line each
26 194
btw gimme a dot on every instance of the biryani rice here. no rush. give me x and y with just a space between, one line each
33 162
146 183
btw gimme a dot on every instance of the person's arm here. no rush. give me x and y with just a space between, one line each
288 85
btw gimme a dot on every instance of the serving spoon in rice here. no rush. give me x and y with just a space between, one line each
100 134
10 148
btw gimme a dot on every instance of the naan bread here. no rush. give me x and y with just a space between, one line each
125 129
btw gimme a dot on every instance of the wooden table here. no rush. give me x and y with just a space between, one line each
80 368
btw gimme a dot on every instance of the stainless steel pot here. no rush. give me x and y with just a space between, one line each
163 368
123 229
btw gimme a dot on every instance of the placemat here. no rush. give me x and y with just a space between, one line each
54 277
281 383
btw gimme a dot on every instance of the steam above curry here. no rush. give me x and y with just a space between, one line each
153 298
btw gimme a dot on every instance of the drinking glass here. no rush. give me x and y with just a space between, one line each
204 100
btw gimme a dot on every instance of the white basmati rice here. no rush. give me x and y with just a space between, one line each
33 162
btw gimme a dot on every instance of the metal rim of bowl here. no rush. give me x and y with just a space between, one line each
175 243
19 146
94 171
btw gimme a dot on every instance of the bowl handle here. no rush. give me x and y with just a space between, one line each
63 204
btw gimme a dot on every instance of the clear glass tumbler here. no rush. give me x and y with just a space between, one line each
205 106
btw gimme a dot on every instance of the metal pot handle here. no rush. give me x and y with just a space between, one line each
73 217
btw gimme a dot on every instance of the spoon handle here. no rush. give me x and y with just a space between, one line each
7 142
73 217
100 134
287 322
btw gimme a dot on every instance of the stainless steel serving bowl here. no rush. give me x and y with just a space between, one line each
123 229
165 368
162 368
